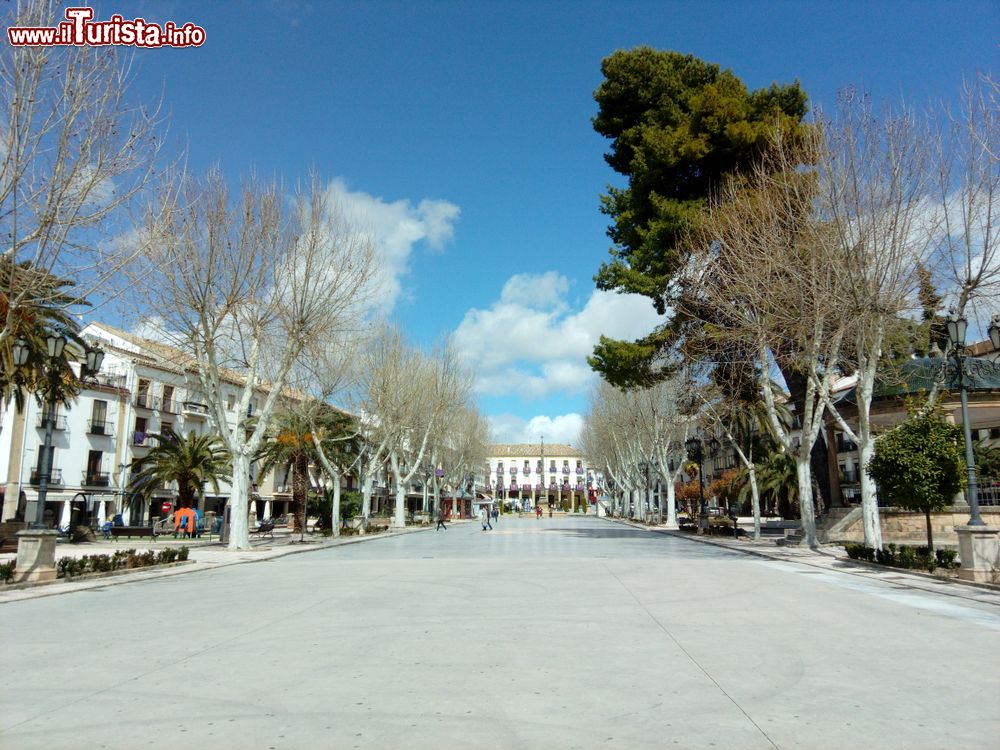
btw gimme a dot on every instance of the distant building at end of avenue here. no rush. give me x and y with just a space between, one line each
526 476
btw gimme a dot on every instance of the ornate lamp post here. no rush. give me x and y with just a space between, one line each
957 328
696 452
36 546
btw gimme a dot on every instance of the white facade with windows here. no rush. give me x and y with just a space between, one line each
143 387
540 475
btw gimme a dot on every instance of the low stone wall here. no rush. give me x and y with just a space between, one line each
907 526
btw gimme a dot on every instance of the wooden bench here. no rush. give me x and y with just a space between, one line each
266 527
130 531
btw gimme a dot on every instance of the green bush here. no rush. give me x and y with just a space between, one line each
7 571
860 552
946 558
907 557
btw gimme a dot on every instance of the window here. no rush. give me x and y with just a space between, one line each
164 426
995 433
231 402
168 398
142 394
99 418
139 436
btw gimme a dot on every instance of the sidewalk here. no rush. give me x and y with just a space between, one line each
203 555
833 558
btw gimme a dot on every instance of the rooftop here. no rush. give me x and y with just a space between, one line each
531 450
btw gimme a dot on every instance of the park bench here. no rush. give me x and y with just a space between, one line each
266 527
131 531
779 529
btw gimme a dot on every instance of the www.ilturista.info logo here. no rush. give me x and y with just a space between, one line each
79 30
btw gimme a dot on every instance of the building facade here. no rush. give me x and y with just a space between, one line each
526 476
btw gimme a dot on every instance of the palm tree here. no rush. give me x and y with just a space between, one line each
192 462
33 317
290 443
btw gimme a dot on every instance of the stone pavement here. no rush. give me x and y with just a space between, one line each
567 632
204 554
833 558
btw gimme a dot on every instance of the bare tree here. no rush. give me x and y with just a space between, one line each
766 280
967 183
873 175
245 286
76 157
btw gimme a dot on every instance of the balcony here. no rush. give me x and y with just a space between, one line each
565 470
99 427
579 471
109 380
147 401
169 406
141 439
513 470
58 424
55 480
96 479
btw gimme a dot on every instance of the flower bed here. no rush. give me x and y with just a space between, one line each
904 556
125 559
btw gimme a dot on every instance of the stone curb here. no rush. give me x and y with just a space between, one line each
95 576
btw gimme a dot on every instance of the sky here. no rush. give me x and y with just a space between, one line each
459 134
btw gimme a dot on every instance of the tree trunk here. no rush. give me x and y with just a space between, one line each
671 504
300 490
804 477
335 509
869 500
366 496
755 501
930 532
399 514
239 531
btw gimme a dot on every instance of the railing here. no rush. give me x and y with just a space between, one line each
55 476
565 470
146 401
989 494
141 439
169 406
513 470
99 427
110 380
96 479
579 471
58 424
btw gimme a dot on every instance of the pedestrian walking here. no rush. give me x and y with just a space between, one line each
538 512
440 520
484 518
496 515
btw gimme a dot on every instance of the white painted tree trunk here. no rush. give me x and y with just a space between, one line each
804 476
239 502
335 511
399 513
671 505
366 496
754 500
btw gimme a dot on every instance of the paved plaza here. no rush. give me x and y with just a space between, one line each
553 633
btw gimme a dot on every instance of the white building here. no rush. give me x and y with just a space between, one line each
143 387
540 475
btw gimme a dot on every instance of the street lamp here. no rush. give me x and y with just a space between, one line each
957 327
696 452
55 346
994 332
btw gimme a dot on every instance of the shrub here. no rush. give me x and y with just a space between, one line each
907 557
927 561
7 571
946 557
182 554
860 552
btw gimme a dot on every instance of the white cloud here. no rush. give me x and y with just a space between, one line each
507 428
395 228
531 343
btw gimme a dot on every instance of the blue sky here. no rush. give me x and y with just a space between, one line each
460 132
